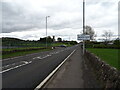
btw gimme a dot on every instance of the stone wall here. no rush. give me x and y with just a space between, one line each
107 75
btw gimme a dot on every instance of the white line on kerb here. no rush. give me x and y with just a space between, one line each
51 74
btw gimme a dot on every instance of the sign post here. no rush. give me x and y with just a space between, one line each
83 37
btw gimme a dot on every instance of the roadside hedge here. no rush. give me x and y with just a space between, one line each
102 46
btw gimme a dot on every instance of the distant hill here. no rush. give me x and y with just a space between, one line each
10 39
15 42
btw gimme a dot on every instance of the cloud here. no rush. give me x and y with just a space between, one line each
23 16
35 34
103 16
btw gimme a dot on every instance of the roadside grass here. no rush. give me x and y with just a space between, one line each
21 48
13 52
29 48
58 44
110 56
21 53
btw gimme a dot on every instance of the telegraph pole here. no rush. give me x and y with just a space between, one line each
83 25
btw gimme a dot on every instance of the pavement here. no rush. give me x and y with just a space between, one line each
74 74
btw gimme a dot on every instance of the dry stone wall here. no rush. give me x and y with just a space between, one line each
107 75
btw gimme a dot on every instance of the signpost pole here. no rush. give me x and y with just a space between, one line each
83 25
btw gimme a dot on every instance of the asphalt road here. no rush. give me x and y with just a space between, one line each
28 71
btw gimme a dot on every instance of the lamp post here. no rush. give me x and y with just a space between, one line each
83 25
46 29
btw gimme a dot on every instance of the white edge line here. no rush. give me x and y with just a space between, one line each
51 74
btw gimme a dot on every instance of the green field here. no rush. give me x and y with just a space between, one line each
21 48
29 48
110 56
21 53
13 52
12 47
58 44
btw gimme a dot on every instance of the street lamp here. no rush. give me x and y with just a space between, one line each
83 25
46 29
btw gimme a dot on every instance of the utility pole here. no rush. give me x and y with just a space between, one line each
46 29
83 25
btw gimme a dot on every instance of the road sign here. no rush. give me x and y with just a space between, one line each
83 37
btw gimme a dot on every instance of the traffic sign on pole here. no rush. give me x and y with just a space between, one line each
83 37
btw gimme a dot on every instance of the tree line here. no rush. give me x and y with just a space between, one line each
14 42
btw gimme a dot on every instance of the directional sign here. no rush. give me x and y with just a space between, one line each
83 37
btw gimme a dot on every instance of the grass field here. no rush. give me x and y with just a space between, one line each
110 56
21 53
13 52
58 44
21 48
27 48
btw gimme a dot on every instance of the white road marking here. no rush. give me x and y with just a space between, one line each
11 58
42 57
28 55
6 66
17 57
14 64
15 67
25 62
37 58
52 73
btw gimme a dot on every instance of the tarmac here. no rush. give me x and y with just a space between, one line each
74 74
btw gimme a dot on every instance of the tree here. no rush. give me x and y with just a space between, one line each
107 35
59 39
89 31
117 41
49 39
110 35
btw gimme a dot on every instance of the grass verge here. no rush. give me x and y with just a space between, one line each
21 48
21 53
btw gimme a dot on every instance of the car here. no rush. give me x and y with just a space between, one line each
63 46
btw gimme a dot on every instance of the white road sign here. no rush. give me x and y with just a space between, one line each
83 37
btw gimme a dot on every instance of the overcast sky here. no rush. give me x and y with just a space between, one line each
25 19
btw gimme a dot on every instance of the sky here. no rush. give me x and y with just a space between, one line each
25 19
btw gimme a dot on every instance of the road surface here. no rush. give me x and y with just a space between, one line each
74 73
28 71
